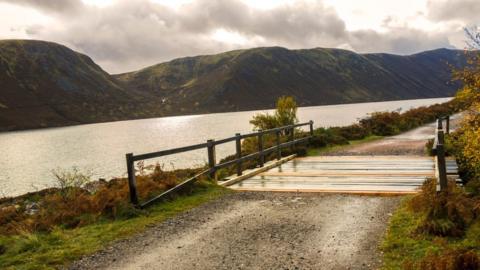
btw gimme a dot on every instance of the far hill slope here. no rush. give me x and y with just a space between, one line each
255 78
44 84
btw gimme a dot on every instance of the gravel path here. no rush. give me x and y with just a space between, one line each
259 231
248 230
409 143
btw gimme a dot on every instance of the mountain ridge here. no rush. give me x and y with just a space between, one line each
44 84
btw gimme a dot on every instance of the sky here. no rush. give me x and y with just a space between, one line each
126 35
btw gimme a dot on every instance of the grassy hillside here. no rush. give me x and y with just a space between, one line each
254 78
44 84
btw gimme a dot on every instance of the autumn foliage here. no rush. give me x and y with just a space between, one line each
77 201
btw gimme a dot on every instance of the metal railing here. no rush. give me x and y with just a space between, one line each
213 166
438 150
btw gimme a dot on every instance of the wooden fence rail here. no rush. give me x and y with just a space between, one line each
439 151
213 166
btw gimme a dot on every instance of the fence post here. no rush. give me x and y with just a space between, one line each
442 170
261 156
132 185
439 123
238 143
279 150
292 137
447 124
211 158
311 127
440 137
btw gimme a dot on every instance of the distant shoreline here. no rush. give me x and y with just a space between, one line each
200 113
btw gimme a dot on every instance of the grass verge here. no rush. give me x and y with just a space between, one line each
331 148
405 248
61 246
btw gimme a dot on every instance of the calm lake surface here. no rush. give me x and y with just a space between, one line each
28 157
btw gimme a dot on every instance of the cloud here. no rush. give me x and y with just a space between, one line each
55 6
398 40
131 34
466 11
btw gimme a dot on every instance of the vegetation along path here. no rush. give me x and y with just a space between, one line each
266 230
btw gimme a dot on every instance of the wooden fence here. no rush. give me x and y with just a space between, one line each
438 149
213 166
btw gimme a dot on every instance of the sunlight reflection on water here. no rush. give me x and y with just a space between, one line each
29 156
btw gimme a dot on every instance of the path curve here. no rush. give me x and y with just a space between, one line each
409 143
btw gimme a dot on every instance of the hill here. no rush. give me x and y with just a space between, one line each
45 84
254 78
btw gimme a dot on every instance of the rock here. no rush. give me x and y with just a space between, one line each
32 208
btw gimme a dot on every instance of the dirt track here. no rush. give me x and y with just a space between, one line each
409 143
248 230
260 231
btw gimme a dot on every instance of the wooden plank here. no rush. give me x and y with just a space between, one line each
347 174
347 158
353 173
300 180
336 191
331 189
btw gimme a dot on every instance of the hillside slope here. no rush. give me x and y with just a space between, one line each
43 84
254 78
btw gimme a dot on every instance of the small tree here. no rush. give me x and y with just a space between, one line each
285 114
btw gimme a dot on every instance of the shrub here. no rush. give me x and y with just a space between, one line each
450 259
352 132
285 114
429 147
382 123
327 136
74 203
446 213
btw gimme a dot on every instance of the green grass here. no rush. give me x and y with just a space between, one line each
330 148
61 246
402 242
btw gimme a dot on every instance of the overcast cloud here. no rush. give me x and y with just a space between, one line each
131 34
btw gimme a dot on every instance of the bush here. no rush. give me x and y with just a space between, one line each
450 259
429 147
330 136
446 213
382 123
285 114
391 123
352 132
75 203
